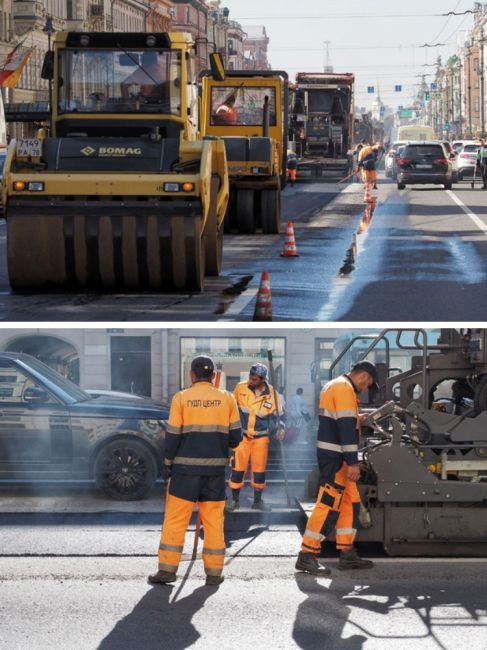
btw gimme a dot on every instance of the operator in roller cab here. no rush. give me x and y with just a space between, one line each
338 503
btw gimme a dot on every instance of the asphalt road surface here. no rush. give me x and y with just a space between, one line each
71 578
420 255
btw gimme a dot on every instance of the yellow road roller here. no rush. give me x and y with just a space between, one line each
249 110
122 193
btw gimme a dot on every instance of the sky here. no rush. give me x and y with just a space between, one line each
379 40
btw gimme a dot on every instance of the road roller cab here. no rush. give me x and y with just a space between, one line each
123 193
248 109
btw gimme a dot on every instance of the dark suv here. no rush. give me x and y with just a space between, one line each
51 429
424 162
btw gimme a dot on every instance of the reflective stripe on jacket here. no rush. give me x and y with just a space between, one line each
203 423
255 411
338 417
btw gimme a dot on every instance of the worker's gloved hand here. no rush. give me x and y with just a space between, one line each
353 472
280 435
166 472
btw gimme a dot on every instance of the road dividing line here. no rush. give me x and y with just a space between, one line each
477 221
240 304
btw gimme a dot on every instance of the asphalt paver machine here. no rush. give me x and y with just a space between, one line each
424 445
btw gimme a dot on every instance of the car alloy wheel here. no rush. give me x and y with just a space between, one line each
125 470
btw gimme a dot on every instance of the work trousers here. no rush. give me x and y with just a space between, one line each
483 171
255 451
369 176
337 506
184 491
292 174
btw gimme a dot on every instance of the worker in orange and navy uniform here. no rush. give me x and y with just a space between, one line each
203 424
367 159
292 167
338 503
261 418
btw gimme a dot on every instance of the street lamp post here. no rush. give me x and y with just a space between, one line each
49 30
469 91
226 13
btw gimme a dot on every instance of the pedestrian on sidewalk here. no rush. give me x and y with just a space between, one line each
299 417
482 163
261 419
203 424
338 502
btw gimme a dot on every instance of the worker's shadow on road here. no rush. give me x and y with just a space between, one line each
156 622
412 612
320 619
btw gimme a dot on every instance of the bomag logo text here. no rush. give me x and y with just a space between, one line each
119 151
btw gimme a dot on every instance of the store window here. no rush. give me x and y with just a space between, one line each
130 359
234 356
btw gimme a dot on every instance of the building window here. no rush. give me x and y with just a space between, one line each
130 361
233 356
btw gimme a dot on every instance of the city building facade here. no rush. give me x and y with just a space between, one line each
156 362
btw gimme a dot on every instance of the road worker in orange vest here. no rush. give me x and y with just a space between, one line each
367 159
261 418
338 502
203 424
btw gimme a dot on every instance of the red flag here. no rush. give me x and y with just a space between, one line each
14 64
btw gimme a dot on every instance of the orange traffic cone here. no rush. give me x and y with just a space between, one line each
263 306
290 249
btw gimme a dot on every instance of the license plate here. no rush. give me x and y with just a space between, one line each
30 147
424 166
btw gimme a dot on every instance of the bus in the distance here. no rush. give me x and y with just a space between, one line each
415 132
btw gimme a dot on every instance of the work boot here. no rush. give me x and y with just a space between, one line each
260 505
231 506
308 563
350 559
374 187
214 581
162 578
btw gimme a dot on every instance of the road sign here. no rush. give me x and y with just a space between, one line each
398 89
370 89
433 85
407 113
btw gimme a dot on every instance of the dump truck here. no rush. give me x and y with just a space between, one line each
424 444
322 123
254 128
122 193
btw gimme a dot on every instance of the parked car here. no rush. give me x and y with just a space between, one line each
424 163
389 158
116 394
467 159
52 429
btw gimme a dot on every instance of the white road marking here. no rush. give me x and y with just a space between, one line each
477 221
240 304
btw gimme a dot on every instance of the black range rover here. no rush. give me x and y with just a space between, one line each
51 429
